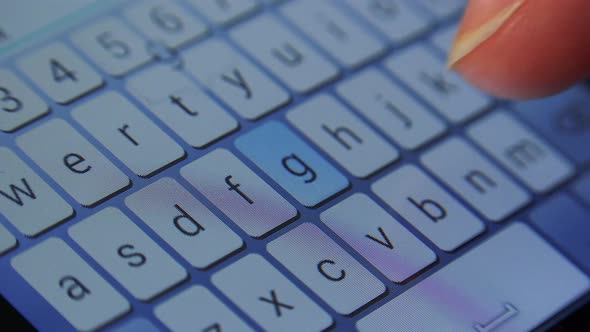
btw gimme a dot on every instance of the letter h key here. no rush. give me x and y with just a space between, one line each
343 136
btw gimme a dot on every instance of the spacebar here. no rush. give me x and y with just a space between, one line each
512 282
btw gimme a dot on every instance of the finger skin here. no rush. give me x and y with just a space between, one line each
543 48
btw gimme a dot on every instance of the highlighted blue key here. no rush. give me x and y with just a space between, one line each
294 165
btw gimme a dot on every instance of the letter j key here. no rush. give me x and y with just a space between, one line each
292 163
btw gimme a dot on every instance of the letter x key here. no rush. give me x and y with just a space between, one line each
275 302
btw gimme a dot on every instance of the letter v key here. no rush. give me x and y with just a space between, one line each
387 243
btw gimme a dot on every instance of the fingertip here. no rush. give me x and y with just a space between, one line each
481 21
537 50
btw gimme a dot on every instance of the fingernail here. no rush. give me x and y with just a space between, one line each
478 32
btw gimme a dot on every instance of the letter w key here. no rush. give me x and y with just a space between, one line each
26 200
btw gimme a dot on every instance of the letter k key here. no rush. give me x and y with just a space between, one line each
275 302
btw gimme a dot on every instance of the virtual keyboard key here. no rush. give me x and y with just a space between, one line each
396 19
197 309
326 268
476 179
429 208
60 73
269 297
7 240
289 161
329 27
239 193
29 203
343 136
564 120
225 11
73 162
443 90
286 55
378 237
114 47
19 105
234 79
494 287
184 223
167 22
128 134
521 151
70 285
127 253
566 223
181 105
393 111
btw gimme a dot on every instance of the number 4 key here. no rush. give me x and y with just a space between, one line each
60 73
